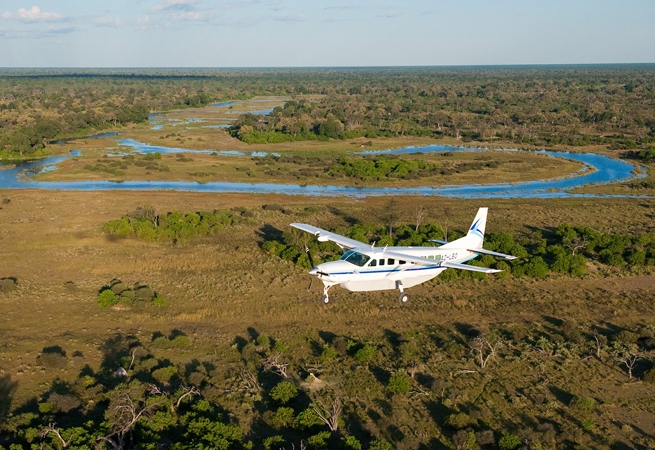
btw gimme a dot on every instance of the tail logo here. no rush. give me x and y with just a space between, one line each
474 229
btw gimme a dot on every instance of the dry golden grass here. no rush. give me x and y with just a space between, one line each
218 287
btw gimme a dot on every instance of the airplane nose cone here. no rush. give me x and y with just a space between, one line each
314 271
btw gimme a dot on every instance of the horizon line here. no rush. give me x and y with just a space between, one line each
516 65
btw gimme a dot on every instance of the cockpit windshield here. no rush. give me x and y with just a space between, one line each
356 258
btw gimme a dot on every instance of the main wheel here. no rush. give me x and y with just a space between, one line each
325 299
403 298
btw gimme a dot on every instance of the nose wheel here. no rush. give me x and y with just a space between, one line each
325 299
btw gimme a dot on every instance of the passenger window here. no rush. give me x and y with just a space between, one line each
391 262
374 263
401 262
382 262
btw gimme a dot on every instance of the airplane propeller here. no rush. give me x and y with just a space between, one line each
311 261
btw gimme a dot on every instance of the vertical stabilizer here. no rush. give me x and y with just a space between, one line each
475 235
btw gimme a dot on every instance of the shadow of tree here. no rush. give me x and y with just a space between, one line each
269 233
7 391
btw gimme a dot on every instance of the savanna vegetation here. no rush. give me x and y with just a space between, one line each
547 106
183 320
238 355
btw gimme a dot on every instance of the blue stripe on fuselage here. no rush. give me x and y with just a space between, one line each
410 268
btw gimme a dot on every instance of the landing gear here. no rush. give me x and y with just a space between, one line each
325 299
403 298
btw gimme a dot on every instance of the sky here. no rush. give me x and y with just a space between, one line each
319 33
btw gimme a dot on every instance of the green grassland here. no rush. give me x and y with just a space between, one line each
332 168
222 291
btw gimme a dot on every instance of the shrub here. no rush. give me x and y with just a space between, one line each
8 284
107 298
319 441
161 342
588 425
283 417
509 442
458 421
284 391
366 353
649 376
52 360
165 374
144 293
585 404
180 341
306 419
537 268
263 341
273 442
350 443
63 403
380 444
400 383
159 300
329 352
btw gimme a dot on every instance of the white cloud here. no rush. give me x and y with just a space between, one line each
391 14
176 5
145 23
60 30
291 18
32 15
191 16
108 22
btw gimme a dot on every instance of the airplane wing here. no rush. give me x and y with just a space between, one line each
324 235
432 262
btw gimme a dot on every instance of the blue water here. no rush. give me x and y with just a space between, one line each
598 170
222 104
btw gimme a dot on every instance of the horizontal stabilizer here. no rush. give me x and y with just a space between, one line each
489 252
467 267
438 241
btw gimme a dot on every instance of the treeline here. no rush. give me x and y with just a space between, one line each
147 224
457 386
567 250
543 107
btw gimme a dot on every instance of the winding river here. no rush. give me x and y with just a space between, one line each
598 169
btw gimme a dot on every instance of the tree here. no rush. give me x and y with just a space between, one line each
328 411
421 214
484 349
391 214
284 391
129 404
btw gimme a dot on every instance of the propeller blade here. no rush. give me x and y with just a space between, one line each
309 255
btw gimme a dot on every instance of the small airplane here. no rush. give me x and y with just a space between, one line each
365 267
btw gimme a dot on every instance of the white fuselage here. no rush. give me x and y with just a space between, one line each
375 269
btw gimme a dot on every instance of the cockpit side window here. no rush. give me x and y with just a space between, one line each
374 263
356 258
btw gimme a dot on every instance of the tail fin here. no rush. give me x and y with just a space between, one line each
475 235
